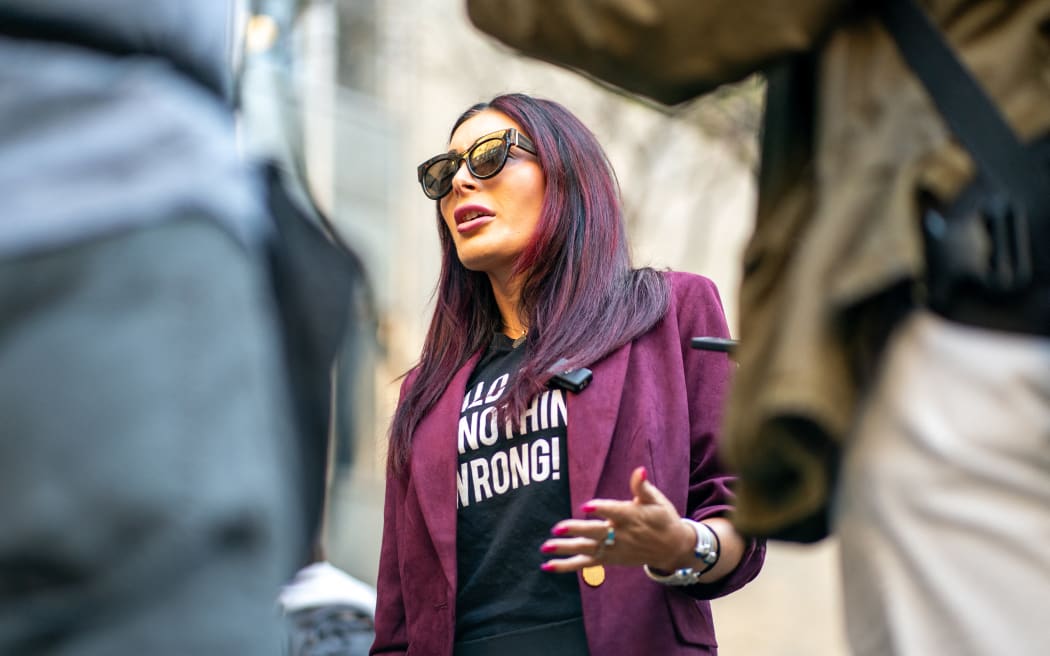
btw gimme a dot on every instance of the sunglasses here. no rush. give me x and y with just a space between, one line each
484 160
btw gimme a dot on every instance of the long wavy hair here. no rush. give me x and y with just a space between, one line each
580 297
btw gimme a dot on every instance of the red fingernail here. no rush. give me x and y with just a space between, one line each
560 530
588 507
548 548
645 474
547 567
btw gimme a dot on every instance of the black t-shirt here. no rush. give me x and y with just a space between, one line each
512 487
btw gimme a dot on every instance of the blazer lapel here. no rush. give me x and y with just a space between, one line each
434 469
592 418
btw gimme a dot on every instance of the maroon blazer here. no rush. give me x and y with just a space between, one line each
654 402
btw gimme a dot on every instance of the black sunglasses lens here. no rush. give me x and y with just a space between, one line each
437 178
487 158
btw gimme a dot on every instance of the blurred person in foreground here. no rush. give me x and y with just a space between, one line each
553 486
899 402
150 483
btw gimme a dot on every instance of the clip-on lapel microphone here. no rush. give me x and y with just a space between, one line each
572 380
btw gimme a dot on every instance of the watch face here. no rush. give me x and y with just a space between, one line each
706 542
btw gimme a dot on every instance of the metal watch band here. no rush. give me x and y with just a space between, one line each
707 546
706 551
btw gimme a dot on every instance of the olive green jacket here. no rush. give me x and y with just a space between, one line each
850 138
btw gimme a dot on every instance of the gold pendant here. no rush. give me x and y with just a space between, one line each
594 576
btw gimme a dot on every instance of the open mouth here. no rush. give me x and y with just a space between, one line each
470 213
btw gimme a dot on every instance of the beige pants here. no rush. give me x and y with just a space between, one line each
943 507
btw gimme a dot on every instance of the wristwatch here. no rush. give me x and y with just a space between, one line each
707 544
706 550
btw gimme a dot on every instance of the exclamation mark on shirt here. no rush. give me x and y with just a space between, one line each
555 458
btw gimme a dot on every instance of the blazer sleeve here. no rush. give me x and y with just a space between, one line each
708 376
669 50
390 620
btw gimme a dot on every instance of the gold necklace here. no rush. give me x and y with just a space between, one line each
521 339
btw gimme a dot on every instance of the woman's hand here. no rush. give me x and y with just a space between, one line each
645 530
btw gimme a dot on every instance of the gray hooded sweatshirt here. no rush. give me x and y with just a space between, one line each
115 114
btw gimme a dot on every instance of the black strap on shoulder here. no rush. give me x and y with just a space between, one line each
966 108
997 244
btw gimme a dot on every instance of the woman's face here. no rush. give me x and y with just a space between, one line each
492 220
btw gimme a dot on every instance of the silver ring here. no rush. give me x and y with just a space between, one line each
610 537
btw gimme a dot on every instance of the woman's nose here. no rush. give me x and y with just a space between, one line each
464 179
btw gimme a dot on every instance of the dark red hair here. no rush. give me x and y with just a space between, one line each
580 297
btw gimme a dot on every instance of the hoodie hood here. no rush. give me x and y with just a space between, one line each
194 35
